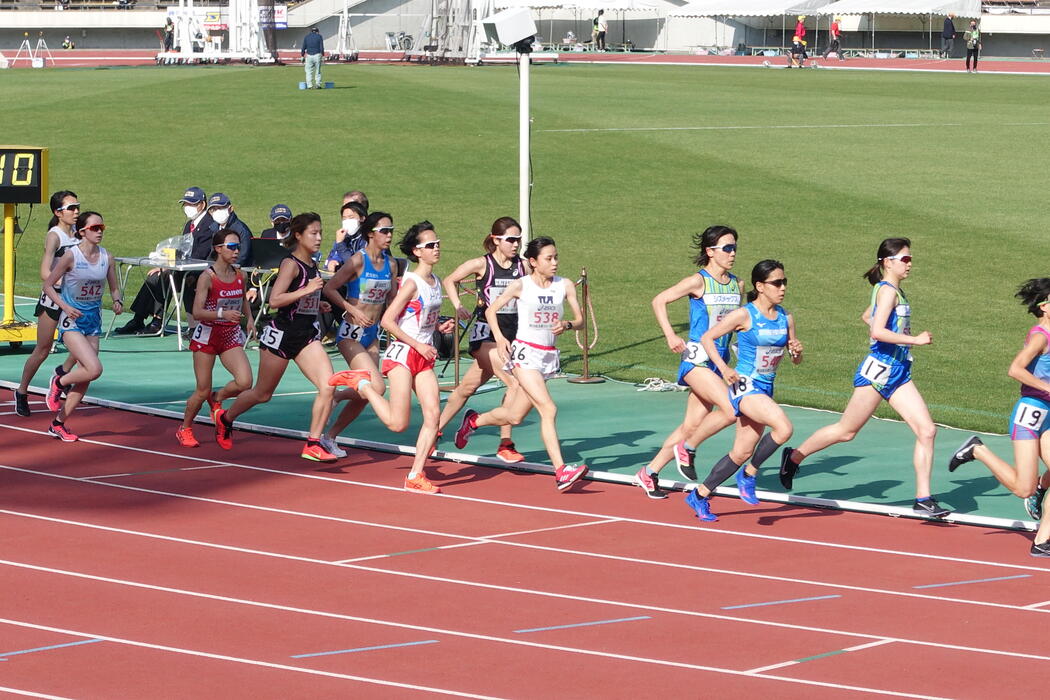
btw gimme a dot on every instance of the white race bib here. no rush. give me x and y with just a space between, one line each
350 331
479 332
1029 417
904 315
741 387
767 357
397 352
201 334
46 302
66 323
694 353
874 371
271 337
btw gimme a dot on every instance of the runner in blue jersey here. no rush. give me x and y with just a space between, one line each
764 332
1028 421
885 373
713 293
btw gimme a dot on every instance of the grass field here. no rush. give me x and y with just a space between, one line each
812 167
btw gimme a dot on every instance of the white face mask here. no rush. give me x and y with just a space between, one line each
190 211
221 216
350 226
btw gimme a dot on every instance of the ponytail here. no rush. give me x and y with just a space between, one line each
1033 294
888 248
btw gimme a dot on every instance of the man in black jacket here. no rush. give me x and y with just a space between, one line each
948 36
221 211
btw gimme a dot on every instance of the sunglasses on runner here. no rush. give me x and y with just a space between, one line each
430 245
782 282
98 228
728 247
74 206
902 258
231 246
508 239
383 229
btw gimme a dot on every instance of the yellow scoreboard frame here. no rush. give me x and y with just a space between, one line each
23 180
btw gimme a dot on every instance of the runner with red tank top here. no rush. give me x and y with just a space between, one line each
220 306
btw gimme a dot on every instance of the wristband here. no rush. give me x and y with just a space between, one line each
218 314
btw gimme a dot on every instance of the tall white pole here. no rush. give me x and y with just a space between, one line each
523 146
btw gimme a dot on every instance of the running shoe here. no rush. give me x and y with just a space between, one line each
223 432
684 459
316 453
930 508
352 378
568 474
650 483
746 485
213 405
186 438
60 370
55 393
466 428
22 404
60 431
788 468
330 446
1041 549
965 453
420 484
1034 504
701 505
508 454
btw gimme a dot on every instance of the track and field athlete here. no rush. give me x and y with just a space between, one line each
764 331
292 334
84 270
713 292
885 373
540 297
1028 421
219 305
493 272
410 319
369 279
61 235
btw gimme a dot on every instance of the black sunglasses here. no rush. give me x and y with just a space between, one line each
782 282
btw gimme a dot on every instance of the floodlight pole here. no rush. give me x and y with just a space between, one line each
524 176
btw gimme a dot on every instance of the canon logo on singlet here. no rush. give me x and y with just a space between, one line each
229 292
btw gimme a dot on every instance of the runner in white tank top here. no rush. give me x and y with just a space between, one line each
541 297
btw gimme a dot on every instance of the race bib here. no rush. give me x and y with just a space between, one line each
904 318
544 320
309 304
201 334
740 387
767 357
876 372
66 323
1029 417
230 303
397 352
350 331
694 353
375 292
46 302
89 292
271 337
479 332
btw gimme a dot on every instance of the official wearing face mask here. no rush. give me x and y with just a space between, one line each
351 241
280 218
221 211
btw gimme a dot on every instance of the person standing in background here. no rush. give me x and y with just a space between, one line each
601 25
948 36
800 27
169 34
973 45
313 54
834 40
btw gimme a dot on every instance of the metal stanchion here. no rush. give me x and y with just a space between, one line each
585 346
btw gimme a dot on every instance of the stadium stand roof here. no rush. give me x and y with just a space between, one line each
962 8
746 8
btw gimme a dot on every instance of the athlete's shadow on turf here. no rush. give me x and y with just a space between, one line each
963 495
871 489
582 447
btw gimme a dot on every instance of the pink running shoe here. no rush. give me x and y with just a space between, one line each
568 474
466 428
59 431
55 393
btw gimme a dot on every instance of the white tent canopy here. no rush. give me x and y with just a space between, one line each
962 8
746 8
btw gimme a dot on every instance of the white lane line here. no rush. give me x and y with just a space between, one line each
250 662
154 471
524 545
418 628
31 694
563 511
796 662
1036 606
739 127
526 591
414 551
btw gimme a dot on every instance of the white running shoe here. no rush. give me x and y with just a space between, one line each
331 447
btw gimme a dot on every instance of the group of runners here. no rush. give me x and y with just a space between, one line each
520 311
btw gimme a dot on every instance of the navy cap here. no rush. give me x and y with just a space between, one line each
218 200
280 211
193 195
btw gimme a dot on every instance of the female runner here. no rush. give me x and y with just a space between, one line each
368 277
764 329
884 374
492 272
60 236
291 335
1028 422
540 297
408 363
713 293
84 269
219 305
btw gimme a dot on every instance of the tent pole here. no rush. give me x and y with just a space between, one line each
872 31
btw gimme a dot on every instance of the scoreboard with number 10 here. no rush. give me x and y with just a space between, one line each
23 175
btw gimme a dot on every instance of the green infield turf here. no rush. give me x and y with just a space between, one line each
812 167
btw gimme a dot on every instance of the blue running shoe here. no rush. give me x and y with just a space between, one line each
701 505
746 485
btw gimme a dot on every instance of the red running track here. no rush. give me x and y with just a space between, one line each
141 569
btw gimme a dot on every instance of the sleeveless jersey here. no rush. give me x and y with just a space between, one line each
83 284
539 309
64 241
301 314
899 321
704 312
496 279
228 296
372 286
761 347
1040 366
420 316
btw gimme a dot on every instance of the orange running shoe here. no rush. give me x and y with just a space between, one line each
316 453
352 378
420 484
213 405
223 432
186 438
508 454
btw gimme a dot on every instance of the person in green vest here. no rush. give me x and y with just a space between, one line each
973 45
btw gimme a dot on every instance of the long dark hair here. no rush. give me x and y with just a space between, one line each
56 202
709 237
1034 293
411 238
759 273
889 247
499 228
298 224
532 250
